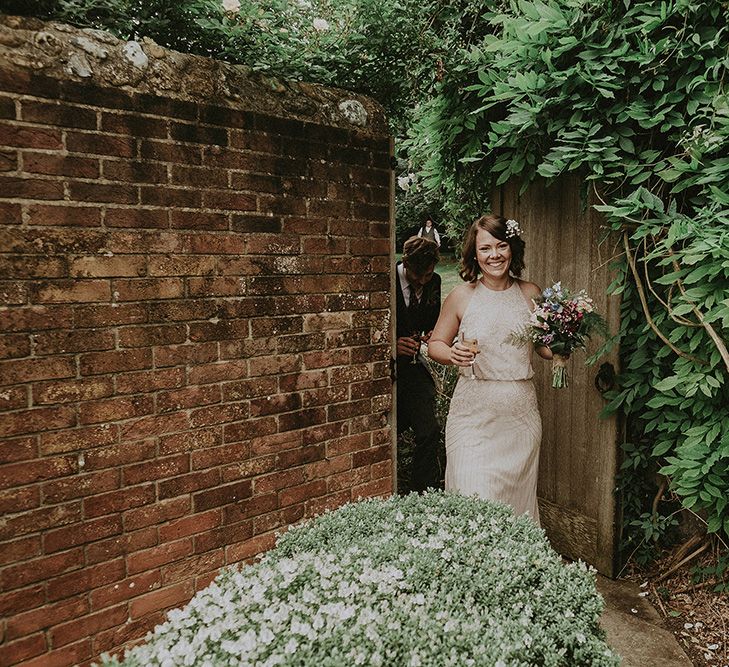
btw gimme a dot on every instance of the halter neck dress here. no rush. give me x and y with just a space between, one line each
494 429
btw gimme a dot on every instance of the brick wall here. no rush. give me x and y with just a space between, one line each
194 332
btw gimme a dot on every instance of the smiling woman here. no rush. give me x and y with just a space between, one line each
493 430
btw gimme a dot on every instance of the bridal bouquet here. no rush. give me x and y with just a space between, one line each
562 322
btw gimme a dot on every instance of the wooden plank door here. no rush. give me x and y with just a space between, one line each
567 241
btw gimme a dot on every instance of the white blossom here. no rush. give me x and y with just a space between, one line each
231 6
320 25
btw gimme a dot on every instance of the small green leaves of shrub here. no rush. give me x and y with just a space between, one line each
433 580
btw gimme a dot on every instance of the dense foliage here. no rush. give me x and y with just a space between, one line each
631 94
429 579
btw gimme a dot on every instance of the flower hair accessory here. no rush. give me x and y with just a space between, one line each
512 229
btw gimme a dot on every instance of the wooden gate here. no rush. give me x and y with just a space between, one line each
567 241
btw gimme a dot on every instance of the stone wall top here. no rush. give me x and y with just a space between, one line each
63 52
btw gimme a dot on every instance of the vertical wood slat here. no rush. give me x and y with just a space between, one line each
579 450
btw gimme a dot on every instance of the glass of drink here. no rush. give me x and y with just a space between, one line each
417 336
471 344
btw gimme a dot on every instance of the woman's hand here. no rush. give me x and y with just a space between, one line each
461 355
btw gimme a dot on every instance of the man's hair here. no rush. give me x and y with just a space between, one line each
419 254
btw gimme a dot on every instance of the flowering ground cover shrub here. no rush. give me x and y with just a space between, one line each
438 579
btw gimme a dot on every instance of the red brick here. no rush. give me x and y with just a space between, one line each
250 548
300 456
17 500
72 391
103 192
96 363
190 440
39 519
22 649
158 469
370 456
134 171
44 618
125 589
102 315
119 454
12 294
25 136
215 456
193 567
108 267
75 654
217 372
115 409
78 439
147 381
171 152
65 633
190 265
81 533
183 355
85 579
198 220
150 559
80 340
149 288
36 317
185 484
252 507
274 520
219 414
19 449
161 512
327 503
71 291
222 495
325 396
220 537
17 474
147 336
251 428
79 486
63 215
118 501
378 487
219 330
244 389
170 196
114 639
32 370
40 569
301 419
129 542
153 426
188 397
297 494
190 525
281 479
324 432
136 217
173 596
14 398
19 550
22 600
94 143
60 165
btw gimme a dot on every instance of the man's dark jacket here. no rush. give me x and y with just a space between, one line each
422 318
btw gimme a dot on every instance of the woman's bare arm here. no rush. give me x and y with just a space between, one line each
440 346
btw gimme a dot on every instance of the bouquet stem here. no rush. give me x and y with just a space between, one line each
559 371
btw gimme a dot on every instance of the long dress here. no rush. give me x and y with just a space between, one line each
494 429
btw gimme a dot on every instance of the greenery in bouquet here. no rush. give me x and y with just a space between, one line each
434 579
562 321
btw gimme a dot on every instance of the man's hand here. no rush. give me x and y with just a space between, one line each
407 346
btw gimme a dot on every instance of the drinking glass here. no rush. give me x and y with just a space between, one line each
417 335
471 344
